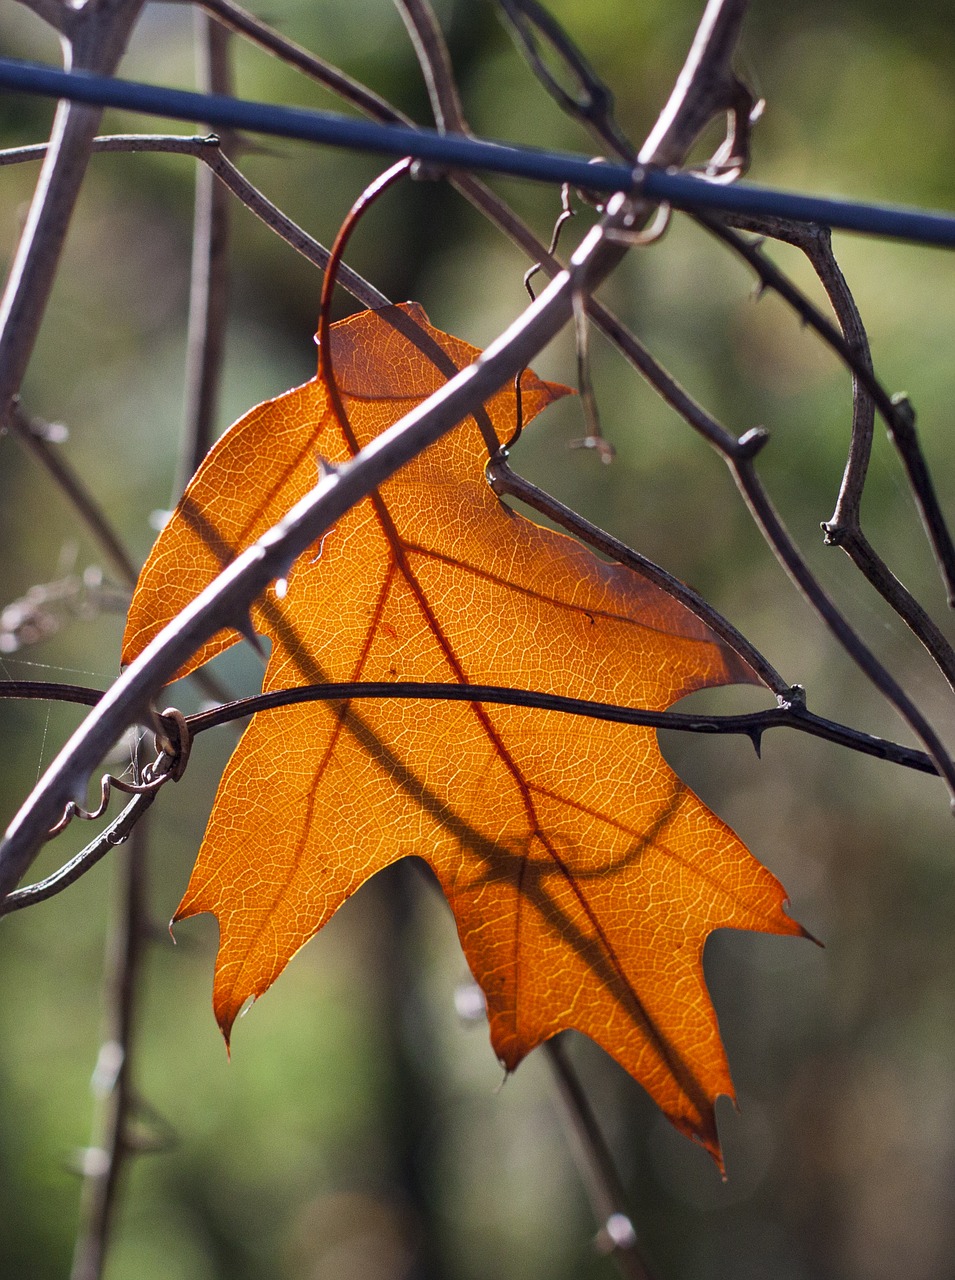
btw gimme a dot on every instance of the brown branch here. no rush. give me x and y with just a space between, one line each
104 1161
207 150
791 713
896 412
844 528
97 37
800 574
435 62
606 1192
705 87
209 277
34 435
594 104
246 24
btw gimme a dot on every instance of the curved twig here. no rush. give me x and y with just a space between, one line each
208 151
844 527
593 104
790 713
896 412
116 833
34 435
794 564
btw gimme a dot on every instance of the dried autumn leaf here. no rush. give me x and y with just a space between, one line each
584 876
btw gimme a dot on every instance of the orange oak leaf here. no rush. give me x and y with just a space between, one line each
584 876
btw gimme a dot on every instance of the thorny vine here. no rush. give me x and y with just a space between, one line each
707 88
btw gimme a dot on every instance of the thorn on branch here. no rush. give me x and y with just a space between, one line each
246 629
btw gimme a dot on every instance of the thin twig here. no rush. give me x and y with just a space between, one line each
800 574
844 527
790 713
617 1235
104 1161
594 103
246 24
209 277
432 52
97 38
897 413
706 86
207 150
34 435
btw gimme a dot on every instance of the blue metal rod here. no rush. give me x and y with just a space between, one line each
683 191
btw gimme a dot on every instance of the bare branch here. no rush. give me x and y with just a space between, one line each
791 713
98 37
35 438
896 412
244 23
105 1159
432 53
608 1198
800 574
705 87
209 277
207 150
593 104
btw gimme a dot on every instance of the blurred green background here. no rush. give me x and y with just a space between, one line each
361 1130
